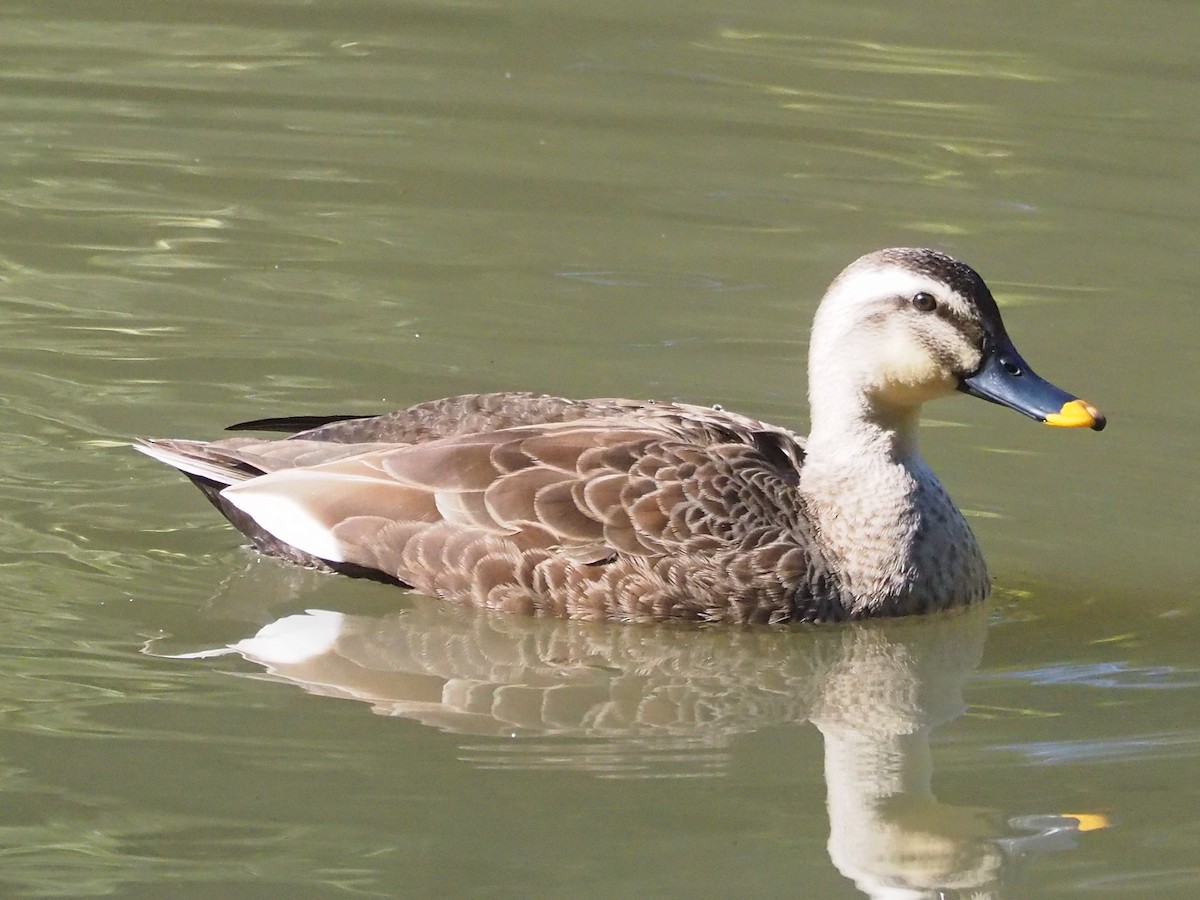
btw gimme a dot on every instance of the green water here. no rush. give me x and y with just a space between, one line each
216 211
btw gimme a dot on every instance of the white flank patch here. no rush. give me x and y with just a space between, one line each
283 513
293 639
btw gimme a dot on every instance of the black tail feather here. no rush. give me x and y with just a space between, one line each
291 424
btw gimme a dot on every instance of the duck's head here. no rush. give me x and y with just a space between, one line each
902 326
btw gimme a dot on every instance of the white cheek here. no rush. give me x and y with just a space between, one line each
909 374
908 362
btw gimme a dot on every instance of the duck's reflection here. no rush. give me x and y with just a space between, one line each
657 701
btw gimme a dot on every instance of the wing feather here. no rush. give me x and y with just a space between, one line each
584 517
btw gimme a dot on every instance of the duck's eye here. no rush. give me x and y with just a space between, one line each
925 301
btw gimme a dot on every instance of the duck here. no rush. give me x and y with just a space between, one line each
612 509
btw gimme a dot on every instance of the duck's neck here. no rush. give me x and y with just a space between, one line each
886 524
871 431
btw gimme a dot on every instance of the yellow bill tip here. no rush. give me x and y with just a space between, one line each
1078 414
1089 821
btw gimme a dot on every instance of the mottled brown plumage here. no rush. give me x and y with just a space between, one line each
617 509
605 509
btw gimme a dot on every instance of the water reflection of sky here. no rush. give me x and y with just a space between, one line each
1145 746
1105 674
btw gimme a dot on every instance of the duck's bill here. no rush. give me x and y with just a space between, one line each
1004 378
